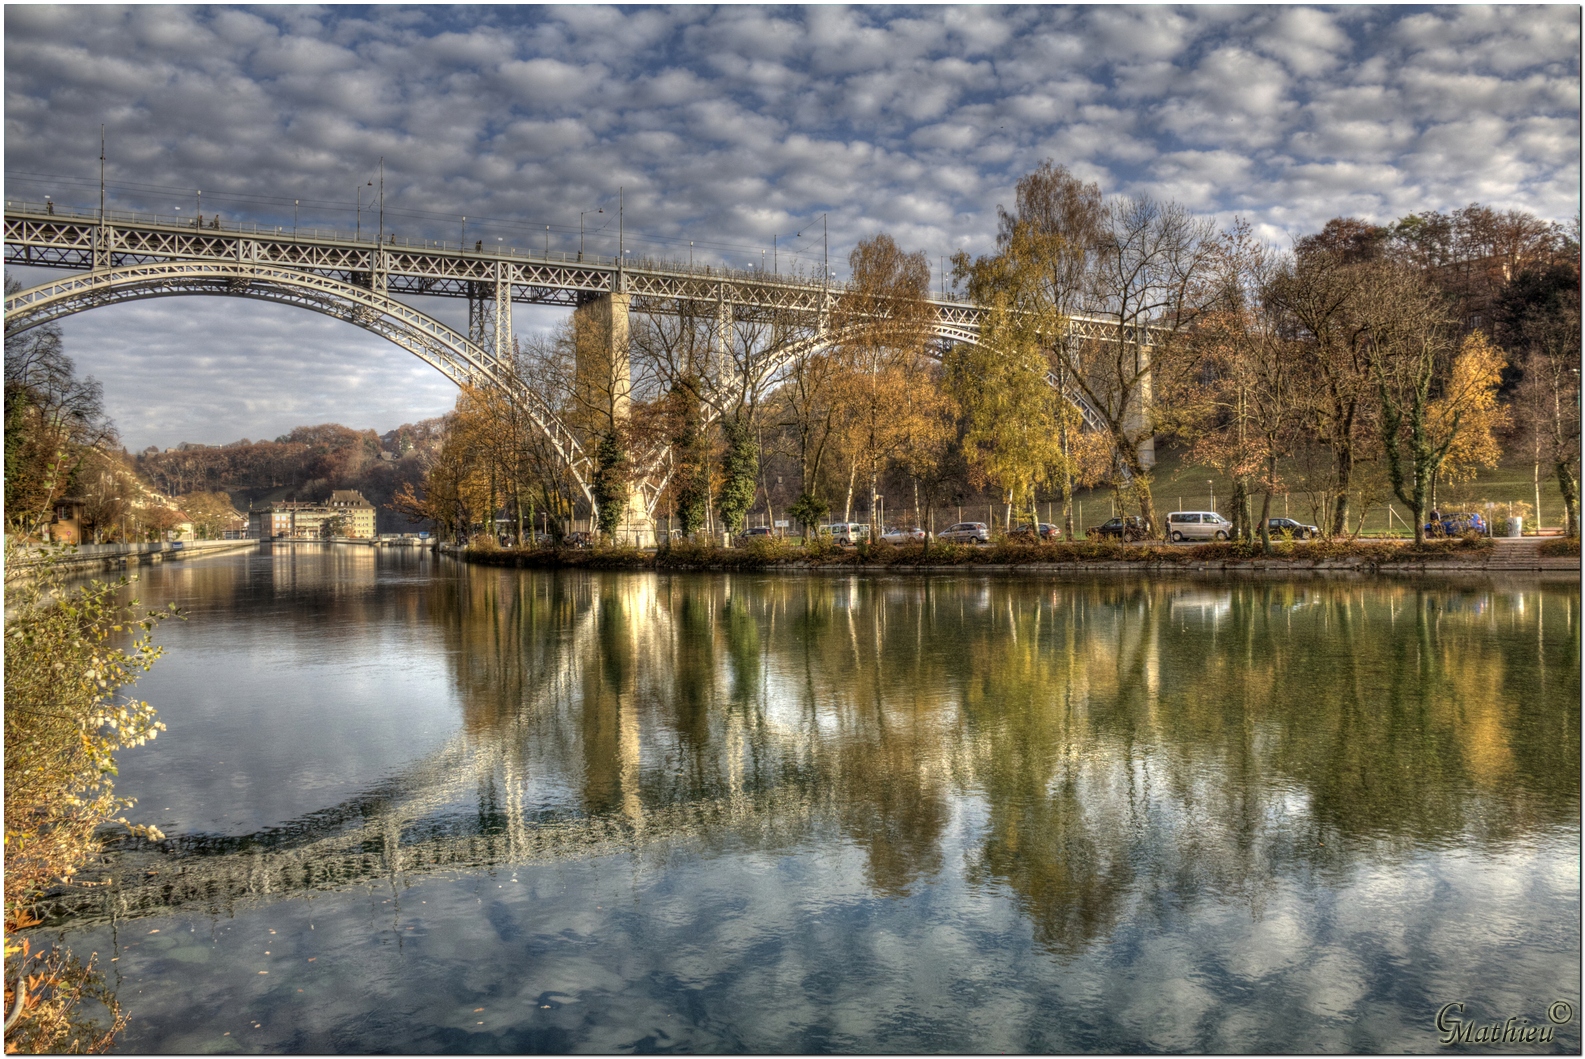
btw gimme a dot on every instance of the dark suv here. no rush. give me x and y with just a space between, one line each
1130 528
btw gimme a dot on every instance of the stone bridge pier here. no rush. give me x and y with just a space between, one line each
603 390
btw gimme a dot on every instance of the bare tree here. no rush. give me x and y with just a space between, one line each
1409 334
52 419
1247 387
1150 281
1320 290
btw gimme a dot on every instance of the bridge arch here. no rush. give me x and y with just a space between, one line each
449 351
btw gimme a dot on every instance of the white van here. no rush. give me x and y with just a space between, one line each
847 534
1198 526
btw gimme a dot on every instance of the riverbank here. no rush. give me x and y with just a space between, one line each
1358 556
116 556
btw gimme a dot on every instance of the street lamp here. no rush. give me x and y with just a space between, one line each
1213 494
580 229
295 204
357 216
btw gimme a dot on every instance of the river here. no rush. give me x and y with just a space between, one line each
416 806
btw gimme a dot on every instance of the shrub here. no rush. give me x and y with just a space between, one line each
64 721
1565 547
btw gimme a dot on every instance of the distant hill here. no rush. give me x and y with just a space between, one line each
305 464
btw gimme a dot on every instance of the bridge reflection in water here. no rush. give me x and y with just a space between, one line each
1102 746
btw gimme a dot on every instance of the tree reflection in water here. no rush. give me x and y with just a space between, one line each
1122 746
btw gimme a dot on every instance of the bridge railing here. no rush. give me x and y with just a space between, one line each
393 241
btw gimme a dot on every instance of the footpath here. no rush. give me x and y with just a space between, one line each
118 556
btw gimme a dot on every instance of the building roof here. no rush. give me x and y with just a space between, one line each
348 498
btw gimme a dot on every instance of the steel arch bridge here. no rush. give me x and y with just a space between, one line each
122 257
461 360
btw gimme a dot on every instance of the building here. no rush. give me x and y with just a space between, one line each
287 518
356 512
345 514
66 523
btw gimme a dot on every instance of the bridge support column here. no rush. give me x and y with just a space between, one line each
1138 404
502 344
605 386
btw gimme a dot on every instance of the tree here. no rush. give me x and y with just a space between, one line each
690 459
211 513
1149 282
729 363
1249 400
885 322
1410 350
1542 321
1000 385
1321 291
65 720
52 420
1467 413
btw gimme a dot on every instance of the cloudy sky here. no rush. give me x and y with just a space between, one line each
732 128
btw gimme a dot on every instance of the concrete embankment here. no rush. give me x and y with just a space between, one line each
116 556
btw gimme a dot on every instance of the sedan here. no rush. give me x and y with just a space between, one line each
966 533
1300 531
1042 530
903 536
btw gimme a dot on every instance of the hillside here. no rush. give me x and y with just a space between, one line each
305 464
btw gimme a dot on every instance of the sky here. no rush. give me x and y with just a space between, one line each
736 129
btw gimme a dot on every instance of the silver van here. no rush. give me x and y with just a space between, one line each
1198 526
847 534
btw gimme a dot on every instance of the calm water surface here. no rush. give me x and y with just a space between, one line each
418 806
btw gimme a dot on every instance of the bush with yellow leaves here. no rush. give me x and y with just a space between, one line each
65 718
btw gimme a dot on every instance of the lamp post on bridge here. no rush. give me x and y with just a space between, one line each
357 214
580 229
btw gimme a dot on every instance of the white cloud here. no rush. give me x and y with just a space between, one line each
738 124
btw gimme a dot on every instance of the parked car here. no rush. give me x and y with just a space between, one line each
966 533
847 534
755 531
904 536
1124 528
1043 530
1300 531
1198 526
1453 523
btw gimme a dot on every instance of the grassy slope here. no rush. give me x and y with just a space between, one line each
1175 480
